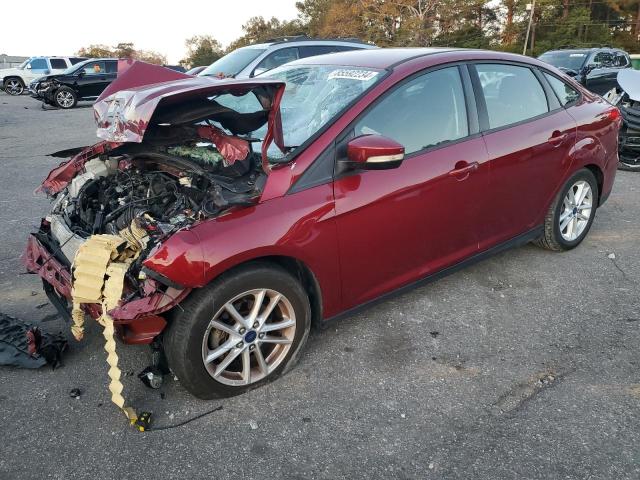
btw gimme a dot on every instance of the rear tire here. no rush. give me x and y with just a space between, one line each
203 336
571 214
65 98
13 86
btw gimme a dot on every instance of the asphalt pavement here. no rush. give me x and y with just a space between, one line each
524 366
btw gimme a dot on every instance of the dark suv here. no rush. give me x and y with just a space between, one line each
595 68
83 81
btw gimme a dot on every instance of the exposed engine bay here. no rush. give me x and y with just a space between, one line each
174 153
146 196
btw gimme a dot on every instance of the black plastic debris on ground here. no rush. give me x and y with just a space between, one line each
26 346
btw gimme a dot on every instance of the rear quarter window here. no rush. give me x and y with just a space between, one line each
564 92
58 64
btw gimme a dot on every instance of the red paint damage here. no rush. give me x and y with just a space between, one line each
60 176
230 147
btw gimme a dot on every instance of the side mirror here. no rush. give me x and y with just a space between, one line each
81 73
28 67
259 71
374 152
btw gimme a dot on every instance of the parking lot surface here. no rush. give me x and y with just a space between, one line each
523 366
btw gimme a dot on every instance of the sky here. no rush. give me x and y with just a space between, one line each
40 27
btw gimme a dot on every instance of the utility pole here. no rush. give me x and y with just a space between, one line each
526 38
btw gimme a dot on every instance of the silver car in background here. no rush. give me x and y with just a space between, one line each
247 62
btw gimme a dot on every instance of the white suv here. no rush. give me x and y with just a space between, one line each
247 62
14 80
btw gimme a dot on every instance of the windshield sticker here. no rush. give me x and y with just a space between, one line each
362 75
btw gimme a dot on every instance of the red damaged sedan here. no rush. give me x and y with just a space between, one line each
263 206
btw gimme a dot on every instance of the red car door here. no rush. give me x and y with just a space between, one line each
395 226
528 139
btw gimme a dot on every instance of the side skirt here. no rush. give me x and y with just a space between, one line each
518 241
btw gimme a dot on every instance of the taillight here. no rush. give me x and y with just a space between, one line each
613 114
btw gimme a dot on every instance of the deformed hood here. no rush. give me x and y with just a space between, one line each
146 92
629 81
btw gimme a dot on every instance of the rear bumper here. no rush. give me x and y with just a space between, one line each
137 321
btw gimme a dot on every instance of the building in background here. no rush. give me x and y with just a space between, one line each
9 61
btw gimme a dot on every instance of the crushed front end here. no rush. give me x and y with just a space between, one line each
173 156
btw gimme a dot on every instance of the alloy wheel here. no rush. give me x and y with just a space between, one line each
13 87
249 337
577 209
64 99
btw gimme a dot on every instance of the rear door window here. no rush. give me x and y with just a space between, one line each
58 64
512 94
277 58
424 112
314 50
565 93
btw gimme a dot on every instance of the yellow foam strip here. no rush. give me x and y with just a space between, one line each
115 385
100 266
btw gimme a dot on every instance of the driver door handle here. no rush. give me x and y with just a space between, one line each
462 169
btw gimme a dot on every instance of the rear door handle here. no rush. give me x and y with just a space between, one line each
556 139
462 169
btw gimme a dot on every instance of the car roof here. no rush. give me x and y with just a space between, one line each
311 42
55 56
373 58
389 58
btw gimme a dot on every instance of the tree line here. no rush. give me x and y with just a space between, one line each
498 24
122 50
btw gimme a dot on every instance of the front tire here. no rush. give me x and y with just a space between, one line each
572 212
65 98
13 86
243 330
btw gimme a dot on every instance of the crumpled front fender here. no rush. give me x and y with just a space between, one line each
179 259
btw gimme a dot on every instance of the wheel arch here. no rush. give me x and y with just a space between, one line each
17 77
599 174
297 268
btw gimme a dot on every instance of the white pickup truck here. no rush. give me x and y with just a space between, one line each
15 80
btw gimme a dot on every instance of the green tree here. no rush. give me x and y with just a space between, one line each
258 30
122 50
202 50
96 51
125 50
150 56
